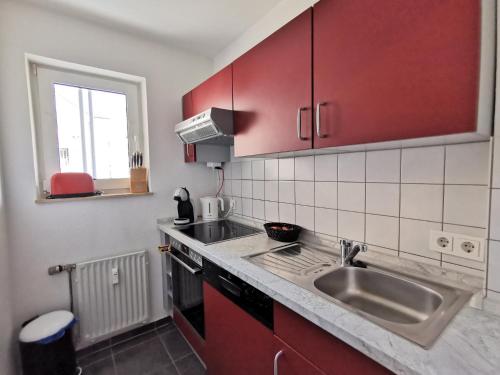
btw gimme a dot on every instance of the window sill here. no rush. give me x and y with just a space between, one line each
105 195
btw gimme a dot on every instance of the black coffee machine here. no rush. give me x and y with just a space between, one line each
184 207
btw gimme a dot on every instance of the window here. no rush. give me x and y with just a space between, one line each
85 120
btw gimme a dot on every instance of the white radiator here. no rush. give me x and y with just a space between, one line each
110 295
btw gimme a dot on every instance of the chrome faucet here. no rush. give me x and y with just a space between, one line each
348 252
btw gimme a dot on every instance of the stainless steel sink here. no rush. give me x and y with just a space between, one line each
384 296
414 308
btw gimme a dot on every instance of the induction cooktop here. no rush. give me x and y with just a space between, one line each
216 231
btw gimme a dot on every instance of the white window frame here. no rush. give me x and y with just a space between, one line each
43 70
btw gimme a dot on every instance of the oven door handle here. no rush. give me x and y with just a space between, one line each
194 271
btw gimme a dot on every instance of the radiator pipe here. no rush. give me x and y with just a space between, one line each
54 270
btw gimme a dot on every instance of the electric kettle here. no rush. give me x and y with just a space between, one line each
210 207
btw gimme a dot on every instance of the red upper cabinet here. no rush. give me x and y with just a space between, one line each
272 92
395 69
217 91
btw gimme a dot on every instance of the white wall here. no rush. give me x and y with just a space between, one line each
282 13
6 327
41 235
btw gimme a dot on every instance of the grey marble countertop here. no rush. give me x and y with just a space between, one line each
469 345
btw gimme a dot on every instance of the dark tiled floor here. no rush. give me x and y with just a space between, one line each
157 351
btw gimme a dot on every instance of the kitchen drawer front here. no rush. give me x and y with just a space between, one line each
325 351
288 362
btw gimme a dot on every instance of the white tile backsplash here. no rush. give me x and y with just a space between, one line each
414 237
258 189
246 170
325 194
238 209
304 216
258 209
424 202
467 164
351 225
382 199
271 190
383 166
271 169
236 188
258 169
466 205
496 163
325 167
495 215
286 193
247 206
423 165
351 196
325 221
246 188
494 266
287 213
271 211
304 193
407 193
352 167
382 231
304 168
286 169
236 171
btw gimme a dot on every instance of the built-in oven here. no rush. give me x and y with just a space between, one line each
187 284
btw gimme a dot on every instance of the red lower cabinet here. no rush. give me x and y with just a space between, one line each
327 353
194 339
236 343
289 362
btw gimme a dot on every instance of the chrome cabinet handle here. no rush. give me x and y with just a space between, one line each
299 124
318 120
187 150
194 271
276 358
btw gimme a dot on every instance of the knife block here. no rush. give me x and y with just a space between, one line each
139 180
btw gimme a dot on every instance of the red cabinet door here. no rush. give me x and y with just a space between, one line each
271 83
217 91
329 354
187 112
395 69
288 362
236 343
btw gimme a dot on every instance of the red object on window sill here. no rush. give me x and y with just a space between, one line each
72 184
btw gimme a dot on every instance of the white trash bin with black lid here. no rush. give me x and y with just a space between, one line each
47 346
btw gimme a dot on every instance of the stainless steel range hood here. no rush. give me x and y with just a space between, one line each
213 126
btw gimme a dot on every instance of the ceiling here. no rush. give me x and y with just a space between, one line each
201 26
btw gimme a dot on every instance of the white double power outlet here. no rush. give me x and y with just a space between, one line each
458 245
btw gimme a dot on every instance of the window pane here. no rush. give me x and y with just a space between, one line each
69 128
92 131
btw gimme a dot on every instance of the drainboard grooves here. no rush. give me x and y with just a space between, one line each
294 259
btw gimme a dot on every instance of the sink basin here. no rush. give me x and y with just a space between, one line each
415 308
381 295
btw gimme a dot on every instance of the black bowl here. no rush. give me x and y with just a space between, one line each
275 231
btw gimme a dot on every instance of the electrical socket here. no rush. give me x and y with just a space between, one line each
458 245
468 247
441 241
